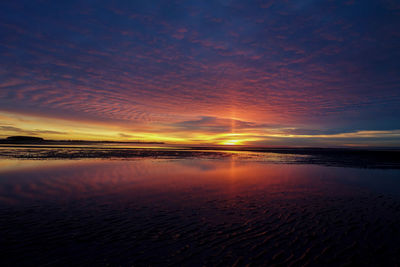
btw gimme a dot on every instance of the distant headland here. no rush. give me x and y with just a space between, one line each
39 140
23 139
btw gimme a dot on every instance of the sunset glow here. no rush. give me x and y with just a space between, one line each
231 142
199 133
276 74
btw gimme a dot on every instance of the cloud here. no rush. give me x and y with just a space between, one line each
17 131
218 125
125 135
204 65
10 128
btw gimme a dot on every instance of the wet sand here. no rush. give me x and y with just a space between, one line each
344 157
195 212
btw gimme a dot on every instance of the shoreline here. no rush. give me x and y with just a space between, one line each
381 159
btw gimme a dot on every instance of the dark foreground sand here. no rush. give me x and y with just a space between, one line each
257 229
195 213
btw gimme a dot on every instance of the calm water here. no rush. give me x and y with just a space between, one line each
196 211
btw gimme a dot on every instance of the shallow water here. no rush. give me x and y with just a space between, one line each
196 211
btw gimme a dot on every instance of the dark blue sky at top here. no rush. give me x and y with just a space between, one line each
330 65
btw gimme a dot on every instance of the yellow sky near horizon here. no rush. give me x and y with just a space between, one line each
62 129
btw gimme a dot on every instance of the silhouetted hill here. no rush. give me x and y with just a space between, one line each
39 140
23 139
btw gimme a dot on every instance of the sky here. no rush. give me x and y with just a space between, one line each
262 73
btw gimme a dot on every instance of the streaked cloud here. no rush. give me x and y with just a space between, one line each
166 69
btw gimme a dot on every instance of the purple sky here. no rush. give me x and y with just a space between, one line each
268 72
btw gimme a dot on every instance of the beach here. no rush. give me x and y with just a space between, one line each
196 210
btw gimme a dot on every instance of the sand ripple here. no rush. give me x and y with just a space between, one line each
261 229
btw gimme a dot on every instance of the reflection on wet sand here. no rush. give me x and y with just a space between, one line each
196 211
341 157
